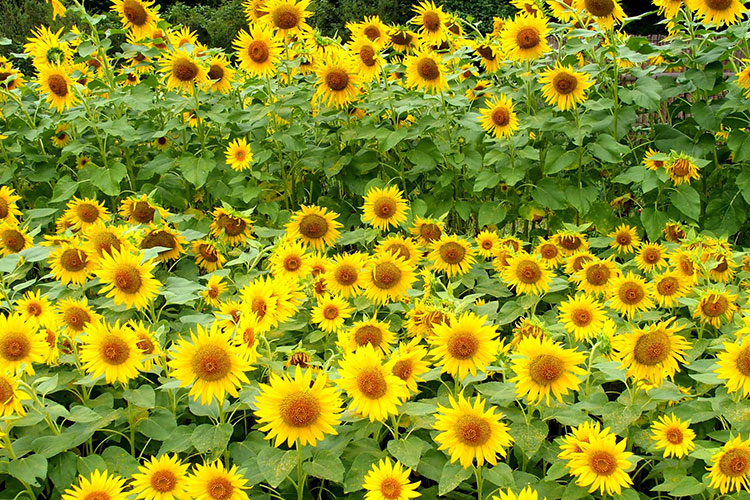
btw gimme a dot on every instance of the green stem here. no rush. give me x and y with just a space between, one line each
12 455
480 481
300 475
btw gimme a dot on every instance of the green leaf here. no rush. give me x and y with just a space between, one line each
28 469
120 461
653 222
486 179
558 159
275 464
325 465
196 170
108 179
63 469
143 396
64 189
607 149
408 451
491 213
581 198
529 437
501 475
451 476
208 438
91 463
739 144
687 200
181 291
179 440
549 194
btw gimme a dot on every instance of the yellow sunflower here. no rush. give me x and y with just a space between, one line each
254 9
207 255
331 312
543 368
487 242
604 12
715 305
630 294
387 278
83 213
8 208
652 159
338 82
368 331
602 465
147 344
389 481
498 118
210 364
425 70
583 433
651 257
375 391
730 467
141 210
549 253
138 16
13 239
100 239
673 435
489 54
75 315
258 50
743 78
161 478
259 297
184 72
112 351
564 87
681 168
11 78
524 38
409 364
427 230
315 226
624 239
583 316
69 263
230 227
528 493
431 21
668 8
61 137
289 260
99 485
371 28
402 247
127 280
298 409
11 397
163 237
465 345
288 17
54 80
668 287
384 208
215 482
36 308
684 263
451 255
238 155
367 58
220 74
469 432
46 48
527 274
734 366
718 12
401 39
214 288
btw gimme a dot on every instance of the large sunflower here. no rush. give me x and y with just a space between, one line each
69 263
287 16
215 482
716 306
161 478
112 351
389 481
527 274
451 255
602 465
99 485
368 331
718 12
469 432
730 467
465 345
127 280
498 118
673 435
298 409
734 366
54 80
431 21
184 72
583 316
11 397
425 70
338 82
315 226
387 278
564 87
384 208
375 391
139 16
210 364
13 239
604 12
525 38
258 50
83 213
543 368
630 294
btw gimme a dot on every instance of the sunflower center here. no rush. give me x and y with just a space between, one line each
735 462
686 267
599 8
76 318
390 488
500 116
624 239
4 209
216 72
371 383
6 391
258 51
399 250
385 208
598 274
345 275
313 226
220 488
368 334
602 463
651 255
162 140
292 263
631 293
134 12
259 306
114 350
431 21
15 346
73 260
581 317
527 38
128 279
462 345
580 260
211 363
548 251
565 84
401 38
367 56
452 253
337 79
386 275
487 244
13 240
248 337
743 361
472 430
285 17
430 232
34 309
428 69
330 312
88 212
58 85
528 272
715 307
667 286
486 52
652 348
402 369
722 265
163 481
719 4
143 212
680 167
300 409
208 252
234 226
185 70
105 242
97 495
674 435
571 242
145 345
545 369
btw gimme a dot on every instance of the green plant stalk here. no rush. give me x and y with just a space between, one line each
480 481
12 455
300 474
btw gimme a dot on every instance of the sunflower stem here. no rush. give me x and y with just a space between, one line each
300 474
480 481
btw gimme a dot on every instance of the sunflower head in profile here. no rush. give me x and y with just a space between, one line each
127 280
12 397
681 168
673 435
401 39
602 465
470 432
10 77
384 208
183 71
56 83
170 240
296 408
138 16
161 478
715 307
99 485
387 278
654 160
432 22
730 466
734 365
527 274
220 74
604 12
213 481
338 81
111 351
524 38
9 211
230 227
210 364
426 70
465 345
564 87
498 118
389 481
258 50
718 12
207 255
287 17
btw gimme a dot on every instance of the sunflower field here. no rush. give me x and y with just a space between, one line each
438 260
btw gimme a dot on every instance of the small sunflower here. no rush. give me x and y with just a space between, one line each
258 50
668 287
213 481
387 278
112 351
343 275
498 118
389 481
432 22
743 78
527 274
630 294
54 80
425 70
384 208
653 160
207 255
238 155
465 345
427 230
315 226
624 239
487 243
409 363
714 306
141 210
8 208
100 239
288 17
604 12
69 263
331 312
11 397
166 237
259 297
61 137
160 478
402 247
85 213
368 331
367 58
549 253
734 366
401 39
36 308
75 316
564 87
673 435
290 260
651 257
214 288
146 342
220 74
184 72
583 316
338 81
730 467
681 168
602 465
138 16
99 485
652 353
451 255
684 262
13 239
230 227
583 433
524 38
127 280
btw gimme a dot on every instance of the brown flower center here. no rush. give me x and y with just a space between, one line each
216 72
602 463
528 38
371 383
743 361
680 167
6 391
652 348
528 272
248 337
97 495
548 251
163 481
368 334
211 363
134 12
208 252
428 69
337 79
674 435
58 85
4 209
300 409
430 232
330 312
581 317
13 240
401 38
631 293
462 345
345 275
259 306
73 260
431 21
76 318
735 462
285 17
145 344
571 242
545 369
651 255
624 238
599 8
403 369
128 279
500 116
386 275
313 226
143 212
667 286
234 226
105 242
452 253
367 56
114 350
598 274
564 83
88 212
472 430
390 488
258 51
399 250
184 70
15 346
220 488
715 306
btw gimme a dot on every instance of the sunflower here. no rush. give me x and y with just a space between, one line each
229 314
259 297
331 312
246 336
160 478
718 12
112 351
138 16
583 433
289 260
238 155
668 8
681 168
46 48
624 239
651 257
409 364
369 331
564 87
431 21
402 247
183 71
734 366
465 345
343 276
498 118
162 143
11 397
487 242
389 481
338 82
207 255
713 305
85 213
527 274
384 207
13 239
210 364
69 263
724 270
36 308
652 353
482 88
298 409
387 278
127 280
100 239
288 17
375 391
401 39
367 58
549 253
183 36
668 287
11 78
583 316
147 344
543 368
54 80
99 485
426 71
524 38
427 230
630 294
315 226
254 10
684 263
743 78
75 316
215 482
470 432
163 237
220 74
604 12
214 288
258 50
451 255
488 53
230 227
673 435
61 137
602 464
652 160
8 207
730 467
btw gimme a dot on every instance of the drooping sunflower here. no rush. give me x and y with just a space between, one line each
684 263
651 257
210 364
127 280
288 17
82 213
161 478
375 391
368 331
401 39
55 81
367 58
469 432
734 366
11 397
112 351
146 342
61 137
527 274
730 466
681 168
564 87
482 88
338 82
498 118
230 227
99 485
673 435
215 482
604 12
183 71
238 155
141 210
718 12
138 16
69 263
624 239
389 481
465 345
602 465
451 255
75 316
409 363
582 315
387 278
258 50
524 38
207 255
384 208
36 308
13 239
630 294
315 226
166 237
427 230
652 353
425 70
431 21
331 312
543 368
487 242
298 409
8 208
715 306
